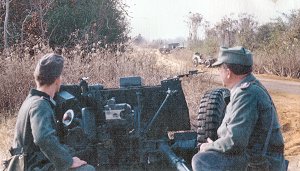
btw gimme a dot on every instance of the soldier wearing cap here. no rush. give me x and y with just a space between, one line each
247 120
35 132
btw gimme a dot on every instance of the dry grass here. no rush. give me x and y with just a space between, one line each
288 108
6 136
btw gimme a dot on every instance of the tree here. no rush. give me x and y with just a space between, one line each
263 34
246 28
5 34
226 31
194 22
92 21
211 42
20 15
138 39
65 22
279 46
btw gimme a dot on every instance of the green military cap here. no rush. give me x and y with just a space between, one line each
234 55
49 66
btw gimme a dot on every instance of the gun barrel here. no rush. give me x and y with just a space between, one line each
190 73
176 161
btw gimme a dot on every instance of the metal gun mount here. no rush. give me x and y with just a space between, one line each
127 127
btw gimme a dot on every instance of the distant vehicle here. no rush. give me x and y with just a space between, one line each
198 59
164 50
171 46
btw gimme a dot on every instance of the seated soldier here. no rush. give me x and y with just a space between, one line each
249 116
35 132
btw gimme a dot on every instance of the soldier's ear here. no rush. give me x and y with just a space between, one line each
228 73
58 81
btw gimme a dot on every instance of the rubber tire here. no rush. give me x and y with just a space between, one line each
207 63
195 62
211 113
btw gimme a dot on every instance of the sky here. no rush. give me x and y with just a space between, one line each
165 19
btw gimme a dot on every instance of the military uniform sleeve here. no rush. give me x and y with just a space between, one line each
237 128
45 137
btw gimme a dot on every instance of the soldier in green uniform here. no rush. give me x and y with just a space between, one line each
247 120
35 132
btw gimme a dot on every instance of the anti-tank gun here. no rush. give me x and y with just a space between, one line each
127 128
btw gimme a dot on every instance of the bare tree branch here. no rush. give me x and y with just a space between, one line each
7 2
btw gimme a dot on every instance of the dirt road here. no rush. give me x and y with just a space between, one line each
283 86
272 83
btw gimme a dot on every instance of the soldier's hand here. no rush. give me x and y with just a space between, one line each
209 140
204 145
77 162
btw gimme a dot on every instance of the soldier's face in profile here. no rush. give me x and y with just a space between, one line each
223 72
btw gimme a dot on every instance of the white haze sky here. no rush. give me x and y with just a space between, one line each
165 19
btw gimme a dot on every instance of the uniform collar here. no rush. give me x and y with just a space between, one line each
35 92
248 79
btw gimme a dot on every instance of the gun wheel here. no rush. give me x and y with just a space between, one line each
211 113
195 62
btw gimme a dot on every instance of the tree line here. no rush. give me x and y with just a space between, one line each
63 23
104 24
275 44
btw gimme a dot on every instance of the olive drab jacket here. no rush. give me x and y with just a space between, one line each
36 130
247 121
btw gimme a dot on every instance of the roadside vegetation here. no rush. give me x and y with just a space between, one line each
275 45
